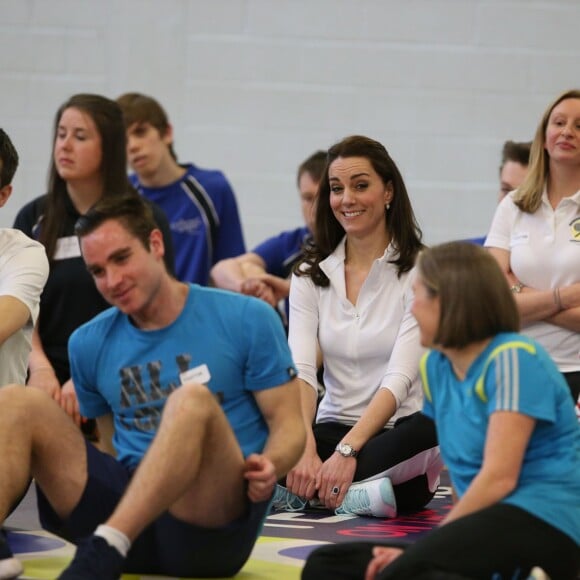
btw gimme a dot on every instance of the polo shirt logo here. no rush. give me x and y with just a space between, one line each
575 230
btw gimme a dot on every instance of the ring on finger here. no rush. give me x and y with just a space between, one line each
335 490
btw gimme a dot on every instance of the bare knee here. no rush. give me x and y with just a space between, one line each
18 400
9 392
192 399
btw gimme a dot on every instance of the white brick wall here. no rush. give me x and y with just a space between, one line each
254 86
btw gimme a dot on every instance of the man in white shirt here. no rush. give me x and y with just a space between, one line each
23 273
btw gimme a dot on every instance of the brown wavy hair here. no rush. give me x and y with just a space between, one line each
400 220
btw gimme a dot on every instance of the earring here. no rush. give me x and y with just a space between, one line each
387 206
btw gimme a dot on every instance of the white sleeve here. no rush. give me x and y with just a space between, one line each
23 274
403 368
500 232
303 327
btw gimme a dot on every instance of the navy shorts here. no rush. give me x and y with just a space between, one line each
168 546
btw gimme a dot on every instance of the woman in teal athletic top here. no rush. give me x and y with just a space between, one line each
507 431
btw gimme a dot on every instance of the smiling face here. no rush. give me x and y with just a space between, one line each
127 274
563 132
77 147
358 196
427 311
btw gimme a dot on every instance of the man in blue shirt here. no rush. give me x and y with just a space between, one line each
194 395
199 203
264 272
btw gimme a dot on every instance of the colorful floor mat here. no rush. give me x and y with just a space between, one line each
44 556
279 554
321 527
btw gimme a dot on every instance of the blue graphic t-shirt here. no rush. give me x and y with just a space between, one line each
232 343
514 373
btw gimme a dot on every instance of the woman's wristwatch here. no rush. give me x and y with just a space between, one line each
346 450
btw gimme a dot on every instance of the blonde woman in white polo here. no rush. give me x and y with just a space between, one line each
535 237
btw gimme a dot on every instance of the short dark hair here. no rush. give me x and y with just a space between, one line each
140 108
517 151
8 159
475 300
314 166
131 210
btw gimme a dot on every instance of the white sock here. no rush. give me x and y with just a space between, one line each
114 538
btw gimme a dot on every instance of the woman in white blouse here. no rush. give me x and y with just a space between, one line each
535 237
352 294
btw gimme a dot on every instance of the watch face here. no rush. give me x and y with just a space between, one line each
346 450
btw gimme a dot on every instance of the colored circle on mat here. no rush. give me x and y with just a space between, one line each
22 543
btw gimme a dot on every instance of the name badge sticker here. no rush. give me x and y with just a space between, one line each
199 374
67 247
519 238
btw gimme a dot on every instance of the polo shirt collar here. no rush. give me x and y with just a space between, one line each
575 198
336 260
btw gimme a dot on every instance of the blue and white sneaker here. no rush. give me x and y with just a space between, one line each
95 559
10 567
370 498
286 501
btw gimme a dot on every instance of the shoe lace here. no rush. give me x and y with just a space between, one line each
285 500
356 501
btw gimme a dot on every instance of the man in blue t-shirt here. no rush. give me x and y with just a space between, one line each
194 395
199 203
264 272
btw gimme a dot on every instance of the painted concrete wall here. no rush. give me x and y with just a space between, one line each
254 86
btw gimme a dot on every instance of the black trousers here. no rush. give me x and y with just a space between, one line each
407 453
573 380
500 542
